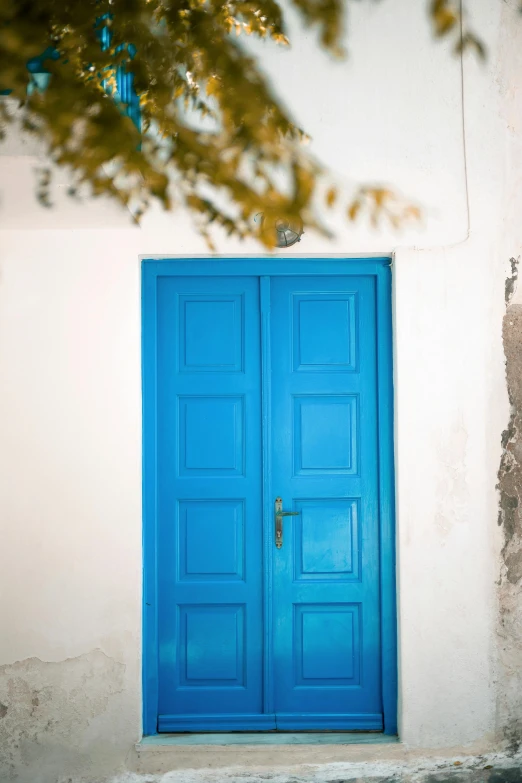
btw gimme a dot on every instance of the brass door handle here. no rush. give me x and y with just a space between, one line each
279 514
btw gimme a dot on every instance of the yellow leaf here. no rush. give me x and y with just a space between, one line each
354 209
212 85
445 15
331 197
412 213
380 195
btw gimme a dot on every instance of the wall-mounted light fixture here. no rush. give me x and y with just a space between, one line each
287 232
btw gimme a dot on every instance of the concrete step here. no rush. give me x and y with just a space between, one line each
348 762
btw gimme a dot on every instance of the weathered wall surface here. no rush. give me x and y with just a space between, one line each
510 519
50 712
509 578
401 109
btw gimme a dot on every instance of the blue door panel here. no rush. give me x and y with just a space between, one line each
324 467
322 631
209 504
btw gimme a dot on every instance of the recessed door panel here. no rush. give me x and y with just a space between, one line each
211 332
220 664
211 435
332 347
220 526
327 645
326 541
325 434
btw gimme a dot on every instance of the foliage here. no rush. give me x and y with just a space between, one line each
448 19
213 133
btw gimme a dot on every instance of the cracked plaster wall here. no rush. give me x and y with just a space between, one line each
510 520
57 718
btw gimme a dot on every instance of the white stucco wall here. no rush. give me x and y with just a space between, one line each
70 397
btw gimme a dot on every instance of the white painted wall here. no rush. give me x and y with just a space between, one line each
70 401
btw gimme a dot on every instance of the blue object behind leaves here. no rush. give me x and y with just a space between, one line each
125 90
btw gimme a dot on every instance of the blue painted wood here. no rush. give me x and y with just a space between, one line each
268 532
221 721
337 357
298 721
37 64
272 267
209 504
149 483
327 663
39 72
285 722
387 500
125 93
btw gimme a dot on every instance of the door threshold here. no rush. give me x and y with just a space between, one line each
156 741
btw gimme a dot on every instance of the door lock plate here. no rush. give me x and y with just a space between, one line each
279 514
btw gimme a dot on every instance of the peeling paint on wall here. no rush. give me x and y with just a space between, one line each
509 716
47 710
511 280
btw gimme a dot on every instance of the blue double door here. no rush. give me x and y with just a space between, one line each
267 403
